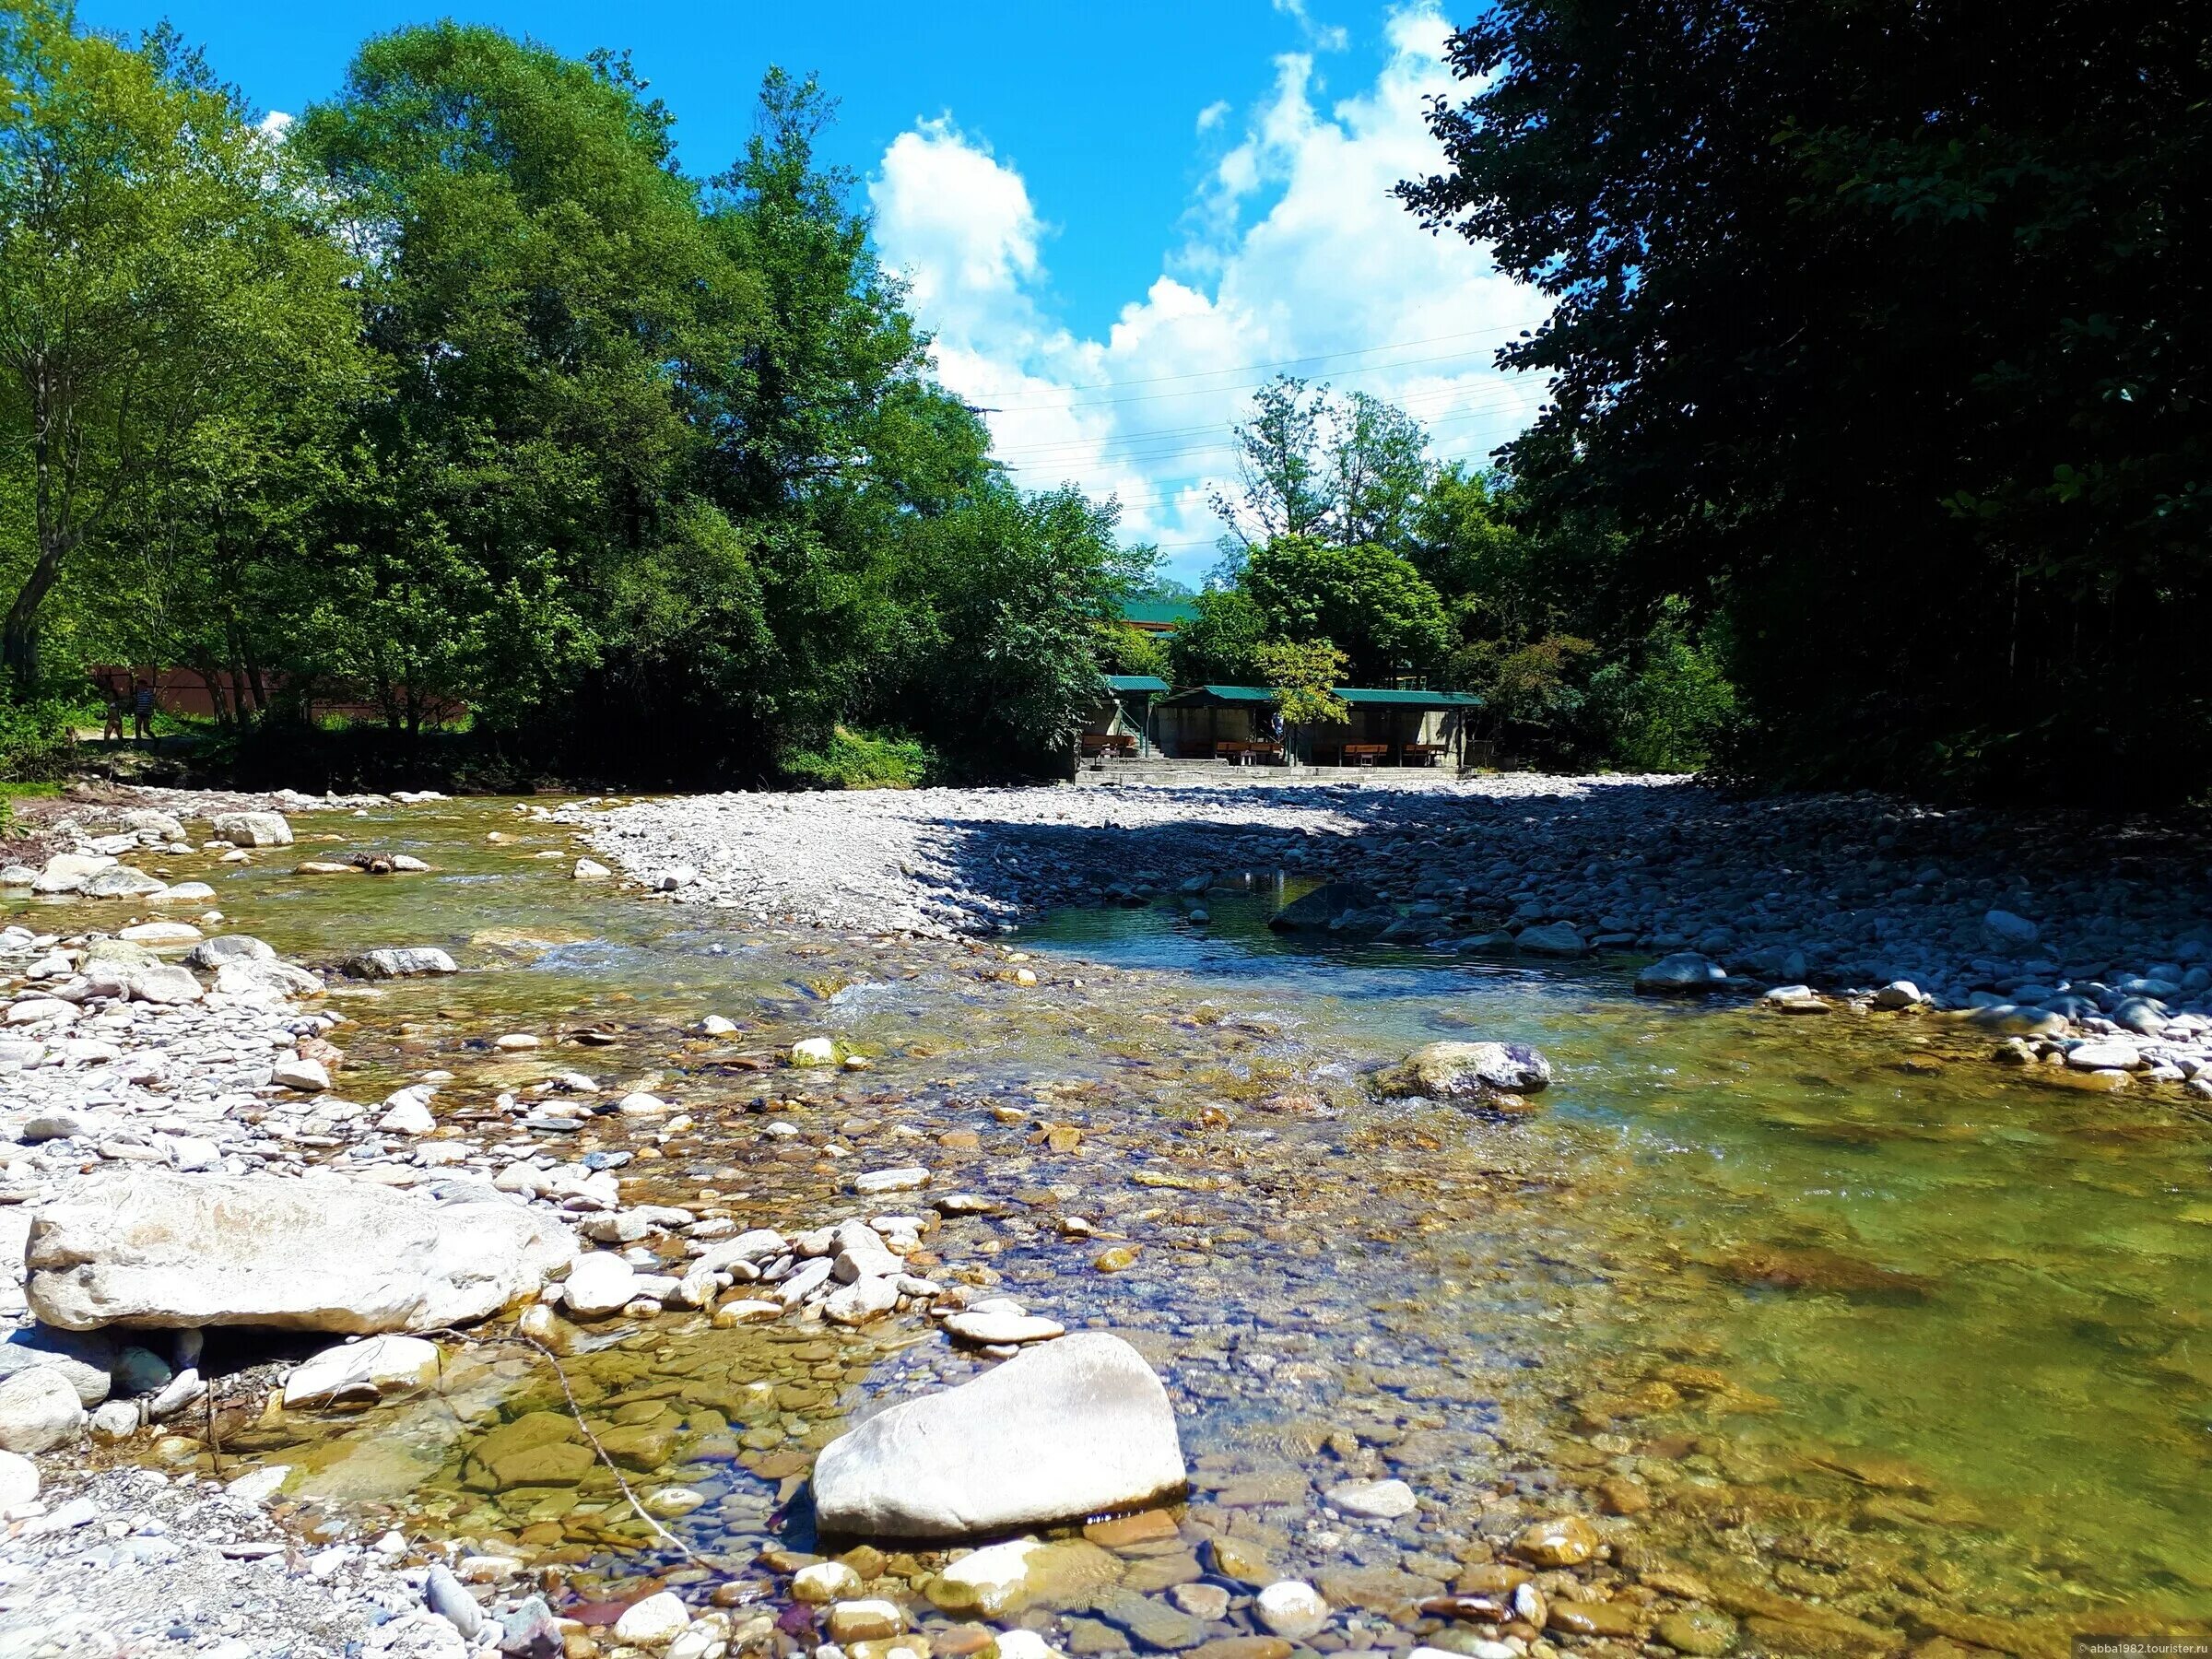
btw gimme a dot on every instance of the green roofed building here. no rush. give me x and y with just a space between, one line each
1384 726
1160 617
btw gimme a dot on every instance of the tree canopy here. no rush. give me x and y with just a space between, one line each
1877 333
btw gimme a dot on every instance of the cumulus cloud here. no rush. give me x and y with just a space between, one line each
1296 256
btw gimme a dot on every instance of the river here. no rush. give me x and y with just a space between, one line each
1829 1307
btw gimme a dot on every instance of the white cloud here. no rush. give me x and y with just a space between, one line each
1296 250
274 126
959 223
1323 37
1213 116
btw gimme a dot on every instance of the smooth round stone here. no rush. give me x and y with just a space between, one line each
1209 1602
1562 1541
1373 1499
871 1620
654 1622
824 1583
991 1330
1292 1608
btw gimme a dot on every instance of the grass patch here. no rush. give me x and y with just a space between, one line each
852 759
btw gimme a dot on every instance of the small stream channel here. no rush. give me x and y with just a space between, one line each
1875 1322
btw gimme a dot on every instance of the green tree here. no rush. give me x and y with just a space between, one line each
1346 470
1215 647
1369 602
1881 332
162 266
1304 674
1007 596
543 282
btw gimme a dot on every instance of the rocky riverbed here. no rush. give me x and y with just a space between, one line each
811 1160
2087 946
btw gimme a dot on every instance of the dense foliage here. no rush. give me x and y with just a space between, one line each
1879 333
1347 542
461 400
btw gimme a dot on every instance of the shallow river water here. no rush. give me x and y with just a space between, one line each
1833 1308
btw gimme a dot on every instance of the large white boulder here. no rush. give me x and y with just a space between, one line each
146 1248
1058 1432
251 828
69 872
39 1411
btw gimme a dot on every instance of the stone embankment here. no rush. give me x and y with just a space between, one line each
2086 946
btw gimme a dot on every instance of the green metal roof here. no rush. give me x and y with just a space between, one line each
1158 613
1357 696
1374 695
1135 682
1198 695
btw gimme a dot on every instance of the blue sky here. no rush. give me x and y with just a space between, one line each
1115 217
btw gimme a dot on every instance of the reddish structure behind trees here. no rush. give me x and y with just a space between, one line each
235 699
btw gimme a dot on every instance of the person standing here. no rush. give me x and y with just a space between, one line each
111 691
143 710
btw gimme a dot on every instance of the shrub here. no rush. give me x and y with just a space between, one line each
36 740
852 759
1670 710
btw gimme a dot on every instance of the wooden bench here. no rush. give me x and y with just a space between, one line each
1421 754
1246 751
1107 742
1364 754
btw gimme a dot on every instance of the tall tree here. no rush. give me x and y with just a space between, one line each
1881 330
162 265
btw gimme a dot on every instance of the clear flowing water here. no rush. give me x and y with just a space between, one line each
1877 1321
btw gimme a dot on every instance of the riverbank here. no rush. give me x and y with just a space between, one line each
2061 933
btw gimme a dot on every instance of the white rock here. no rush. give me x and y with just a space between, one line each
402 962
1064 1430
145 1247
875 1182
1456 1071
258 1485
153 934
1373 1499
409 1113
654 1622
362 1373
2104 1056
69 872
18 1480
815 1051
991 1330
251 828
1292 1608
715 1025
599 1284
38 1010
590 869
311 1076
39 1411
